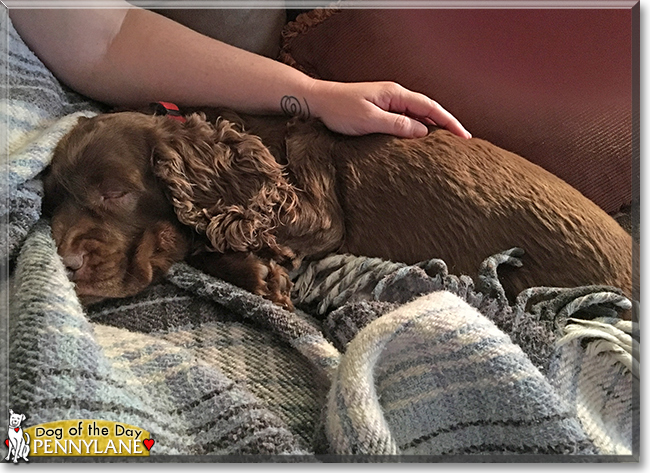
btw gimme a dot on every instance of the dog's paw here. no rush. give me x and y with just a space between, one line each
275 285
260 275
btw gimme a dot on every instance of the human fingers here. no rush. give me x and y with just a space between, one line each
395 124
400 100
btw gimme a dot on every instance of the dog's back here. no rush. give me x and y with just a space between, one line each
464 200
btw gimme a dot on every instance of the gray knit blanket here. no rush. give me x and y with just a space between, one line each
380 362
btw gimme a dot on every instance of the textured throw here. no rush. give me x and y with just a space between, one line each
381 361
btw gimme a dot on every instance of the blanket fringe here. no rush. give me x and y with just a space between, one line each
609 339
346 276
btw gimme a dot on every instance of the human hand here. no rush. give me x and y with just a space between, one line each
378 107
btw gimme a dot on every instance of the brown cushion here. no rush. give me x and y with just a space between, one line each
257 30
551 85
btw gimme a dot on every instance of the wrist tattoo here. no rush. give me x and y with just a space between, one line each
292 107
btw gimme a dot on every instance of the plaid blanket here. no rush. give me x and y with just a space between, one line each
381 361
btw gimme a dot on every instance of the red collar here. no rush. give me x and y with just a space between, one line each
169 109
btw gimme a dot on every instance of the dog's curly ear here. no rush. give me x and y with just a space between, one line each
160 246
225 184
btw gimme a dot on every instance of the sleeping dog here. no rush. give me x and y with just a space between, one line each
247 198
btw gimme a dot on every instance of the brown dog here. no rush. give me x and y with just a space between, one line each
245 198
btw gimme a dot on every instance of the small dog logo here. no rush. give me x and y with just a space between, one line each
16 442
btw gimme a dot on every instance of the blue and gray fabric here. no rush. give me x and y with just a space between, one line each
381 361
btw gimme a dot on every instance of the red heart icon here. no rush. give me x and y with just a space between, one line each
17 429
7 443
148 443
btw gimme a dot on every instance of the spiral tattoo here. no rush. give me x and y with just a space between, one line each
292 107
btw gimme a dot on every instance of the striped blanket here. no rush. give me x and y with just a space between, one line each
381 361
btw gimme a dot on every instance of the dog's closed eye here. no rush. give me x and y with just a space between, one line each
118 200
114 195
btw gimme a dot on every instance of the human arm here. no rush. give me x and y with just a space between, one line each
131 57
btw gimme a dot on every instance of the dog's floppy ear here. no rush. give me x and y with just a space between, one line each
22 417
11 412
225 184
160 246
